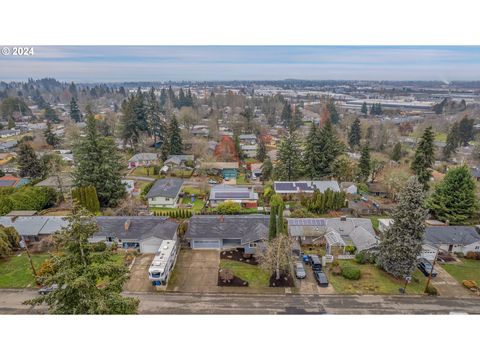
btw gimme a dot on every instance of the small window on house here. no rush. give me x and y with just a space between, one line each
167 199
252 245
477 247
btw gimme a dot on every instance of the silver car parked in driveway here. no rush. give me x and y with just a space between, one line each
300 270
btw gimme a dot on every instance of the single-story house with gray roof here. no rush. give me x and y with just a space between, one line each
453 238
227 232
245 196
34 228
165 193
145 233
143 159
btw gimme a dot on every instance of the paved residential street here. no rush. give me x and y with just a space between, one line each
185 303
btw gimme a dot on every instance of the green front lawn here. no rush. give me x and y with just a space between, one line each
374 281
257 277
15 272
241 179
466 270
198 204
144 171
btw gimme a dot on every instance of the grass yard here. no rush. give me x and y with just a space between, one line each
192 190
375 222
241 179
257 278
374 281
144 171
198 204
15 272
466 270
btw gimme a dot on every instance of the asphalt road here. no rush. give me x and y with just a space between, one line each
189 303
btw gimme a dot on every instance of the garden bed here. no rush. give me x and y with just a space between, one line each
237 255
284 281
236 281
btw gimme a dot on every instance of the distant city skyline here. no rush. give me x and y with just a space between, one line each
224 63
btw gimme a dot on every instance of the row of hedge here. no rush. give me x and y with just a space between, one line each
27 198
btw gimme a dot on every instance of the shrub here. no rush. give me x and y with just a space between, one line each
145 190
226 275
350 249
228 208
471 255
99 247
459 254
335 262
337 270
432 290
351 273
360 258
469 284
47 268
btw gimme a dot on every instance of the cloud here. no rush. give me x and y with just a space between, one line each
163 63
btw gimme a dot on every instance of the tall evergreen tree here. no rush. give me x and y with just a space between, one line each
424 157
261 151
329 148
365 164
51 114
397 152
403 241
297 117
272 224
50 137
267 169
129 130
332 112
75 113
29 164
286 115
312 153
155 123
89 282
176 145
454 199
355 134
465 130
364 109
98 164
289 164
452 142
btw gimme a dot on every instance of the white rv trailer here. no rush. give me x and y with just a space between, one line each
163 262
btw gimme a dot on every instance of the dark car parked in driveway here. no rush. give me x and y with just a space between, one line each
321 278
316 263
426 267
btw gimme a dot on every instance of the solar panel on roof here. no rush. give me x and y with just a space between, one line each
303 186
285 186
232 195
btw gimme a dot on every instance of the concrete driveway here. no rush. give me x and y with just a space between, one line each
447 286
195 271
138 281
309 286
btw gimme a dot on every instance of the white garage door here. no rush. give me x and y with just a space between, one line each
206 244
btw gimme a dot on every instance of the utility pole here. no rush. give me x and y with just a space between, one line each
431 271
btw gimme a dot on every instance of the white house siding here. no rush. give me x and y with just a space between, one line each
160 201
475 247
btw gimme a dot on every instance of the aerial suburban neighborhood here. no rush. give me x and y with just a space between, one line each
290 188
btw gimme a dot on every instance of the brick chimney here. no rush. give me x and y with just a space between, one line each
126 225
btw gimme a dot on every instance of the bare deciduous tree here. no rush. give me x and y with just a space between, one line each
277 256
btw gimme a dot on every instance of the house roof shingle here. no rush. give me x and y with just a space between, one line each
247 228
451 235
169 187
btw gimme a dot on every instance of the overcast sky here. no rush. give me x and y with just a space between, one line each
197 63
